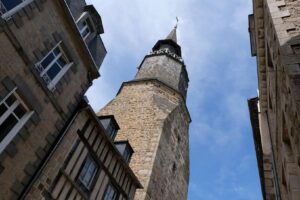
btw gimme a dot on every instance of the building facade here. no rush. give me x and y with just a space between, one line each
152 115
52 145
275 113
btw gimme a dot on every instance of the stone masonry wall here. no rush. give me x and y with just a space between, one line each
25 39
282 44
170 173
153 118
161 67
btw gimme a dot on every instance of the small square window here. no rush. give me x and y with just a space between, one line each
87 174
53 66
125 150
126 154
110 125
14 113
111 130
111 193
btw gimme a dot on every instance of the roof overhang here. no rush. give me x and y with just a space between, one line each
170 42
96 18
258 18
254 118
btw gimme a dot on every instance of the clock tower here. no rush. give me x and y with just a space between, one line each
152 115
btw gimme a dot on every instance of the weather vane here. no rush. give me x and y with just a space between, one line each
177 20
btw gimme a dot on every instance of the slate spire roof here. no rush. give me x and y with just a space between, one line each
173 35
170 42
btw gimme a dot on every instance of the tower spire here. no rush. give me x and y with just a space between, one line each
173 35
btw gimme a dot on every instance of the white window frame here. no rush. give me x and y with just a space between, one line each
89 185
21 121
84 28
85 16
43 71
8 13
109 188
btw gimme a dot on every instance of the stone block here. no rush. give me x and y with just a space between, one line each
48 44
40 152
11 150
26 180
27 93
24 134
17 21
16 139
3 155
8 83
59 125
38 54
17 187
35 118
1 169
3 94
28 11
57 37
29 169
50 138
39 5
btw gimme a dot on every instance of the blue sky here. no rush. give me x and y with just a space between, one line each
215 44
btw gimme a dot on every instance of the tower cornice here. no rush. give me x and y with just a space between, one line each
163 53
160 83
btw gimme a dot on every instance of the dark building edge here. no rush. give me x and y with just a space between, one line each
254 118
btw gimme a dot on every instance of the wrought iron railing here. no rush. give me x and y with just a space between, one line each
166 51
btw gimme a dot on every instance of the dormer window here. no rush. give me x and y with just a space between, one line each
110 125
85 25
125 149
9 7
84 28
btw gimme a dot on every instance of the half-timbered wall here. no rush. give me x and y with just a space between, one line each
85 138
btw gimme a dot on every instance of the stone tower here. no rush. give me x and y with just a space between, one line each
152 115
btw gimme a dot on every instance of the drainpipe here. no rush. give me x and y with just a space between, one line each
277 188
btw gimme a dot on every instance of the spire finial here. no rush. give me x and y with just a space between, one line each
176 25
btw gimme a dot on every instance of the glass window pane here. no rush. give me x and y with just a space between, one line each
10 4
126 154
10 100
110 193
47 60
81 25
62 61
111 131
87 178
85 32
3 109
20 111
53 71
7 125
87 173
